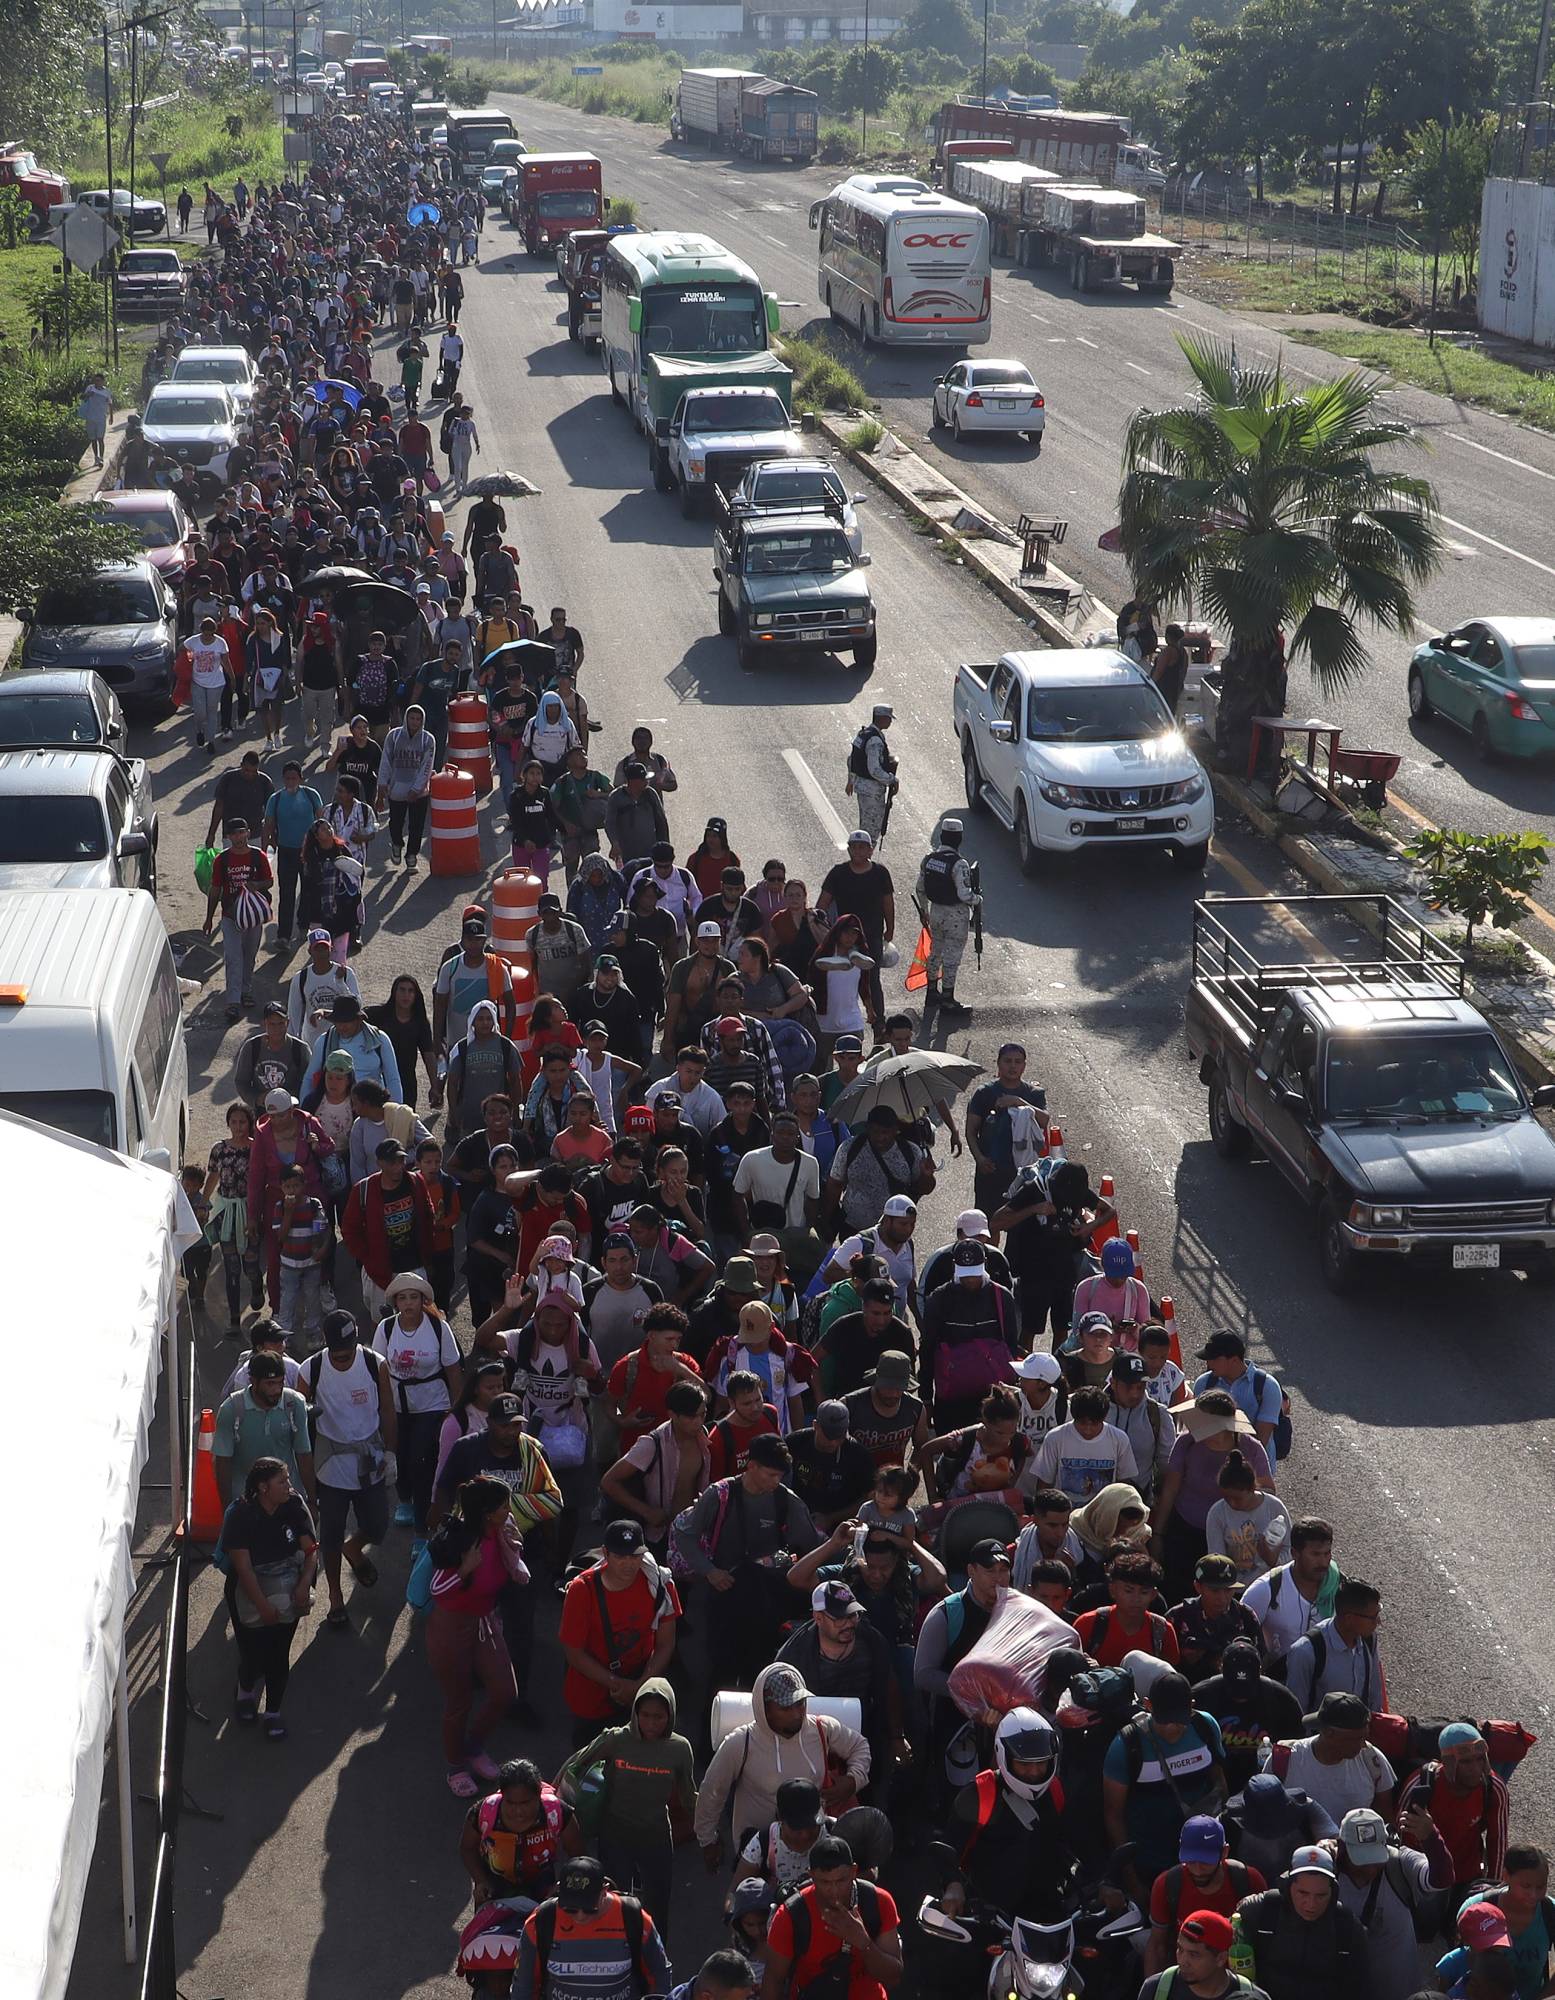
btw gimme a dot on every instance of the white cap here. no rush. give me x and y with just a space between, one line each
972 1222
1039 1368
900 1206
709 929
279 1100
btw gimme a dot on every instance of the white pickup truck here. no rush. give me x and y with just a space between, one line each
1076 748
716 433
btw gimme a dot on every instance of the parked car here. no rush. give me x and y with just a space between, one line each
160 521
76 819
196 423
977 396
120 620
137 217
1076 748
1494 677
232 367
154 281
59 708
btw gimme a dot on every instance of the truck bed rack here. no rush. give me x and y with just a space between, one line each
1415 969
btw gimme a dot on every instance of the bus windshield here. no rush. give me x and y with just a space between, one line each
706 318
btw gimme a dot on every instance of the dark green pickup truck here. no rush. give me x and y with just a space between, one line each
790 580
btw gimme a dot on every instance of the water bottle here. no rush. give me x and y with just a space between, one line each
1265 1752
1241 1962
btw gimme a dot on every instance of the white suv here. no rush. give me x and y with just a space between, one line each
196 423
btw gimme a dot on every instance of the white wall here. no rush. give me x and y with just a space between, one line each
669 23
1517 261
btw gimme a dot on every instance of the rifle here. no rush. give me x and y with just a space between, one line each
977 912
885 817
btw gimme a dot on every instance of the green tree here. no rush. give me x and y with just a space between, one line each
1445 191
1246 95
1481 877
47 45
866 80
1148 98
46 543
946 25
1265 509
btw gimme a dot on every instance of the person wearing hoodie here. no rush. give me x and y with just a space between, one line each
1302 1939
646 1766
596 898
724 1975
548 736
782 1740
1267 1821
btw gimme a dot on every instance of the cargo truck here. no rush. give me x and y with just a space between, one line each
707 106
336 44
777 121
41 190
552 193
1098 233
1079 145
998 188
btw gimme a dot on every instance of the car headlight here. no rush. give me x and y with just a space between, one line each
1368 1215
1058 795
149 645
697 467
1187 793
763 618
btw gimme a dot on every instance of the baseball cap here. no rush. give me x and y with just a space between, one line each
892 1369
391 1149
1481 1926
594 1028
318 935
831 1419
1365 1837
900 1206
1171 1699
728 1024
969 1254
341 1061
549 901
607 962
279 1101
798 1801
1127 1367
987 1553
1338 1710
972 1222
785 1686
273 1007
1220 1346
1203 1839
848 1045
1241 1664
1039 1368
624 1538
474 926
1316 1861
1117 1258
1095 1322
859 838
667 1100
836 1600
1213 1569
340 1329
709 929
1208 1928
505 1410
580 1883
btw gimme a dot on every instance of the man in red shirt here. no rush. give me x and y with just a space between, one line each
542 1197
749 1416
619 1621
241 879
1204 1879
640 1382
1127 1624
834 1914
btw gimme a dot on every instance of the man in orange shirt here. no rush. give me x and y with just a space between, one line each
640 1382
1127 1624
834 1914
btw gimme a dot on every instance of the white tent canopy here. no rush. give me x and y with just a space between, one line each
92 1244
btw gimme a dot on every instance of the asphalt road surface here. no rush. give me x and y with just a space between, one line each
333 1865
1097 358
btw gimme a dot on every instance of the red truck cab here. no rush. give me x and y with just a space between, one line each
40 189
556 193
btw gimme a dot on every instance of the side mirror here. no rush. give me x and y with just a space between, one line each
859 499
634 316
1001 731
133 843
1289 1093
158 1156
772 312
1543 1099
717 572
864 560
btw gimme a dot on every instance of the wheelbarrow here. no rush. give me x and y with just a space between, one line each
1365 771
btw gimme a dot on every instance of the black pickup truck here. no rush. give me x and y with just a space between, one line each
1376 1088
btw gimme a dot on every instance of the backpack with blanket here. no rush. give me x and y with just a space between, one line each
964 1368
632 1926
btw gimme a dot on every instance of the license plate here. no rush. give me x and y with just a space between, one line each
1476 1256
1128 826
1007 403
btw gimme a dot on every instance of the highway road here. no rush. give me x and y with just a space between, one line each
1098 358
333 1866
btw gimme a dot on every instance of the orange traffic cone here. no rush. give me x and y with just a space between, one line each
1169 1321
918 971
205 1523
1109 1229
1131 1237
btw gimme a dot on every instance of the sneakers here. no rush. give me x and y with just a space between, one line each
395 856
404 1515
410 864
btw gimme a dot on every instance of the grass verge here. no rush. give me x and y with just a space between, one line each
1459 372
207 142
865 435
822 379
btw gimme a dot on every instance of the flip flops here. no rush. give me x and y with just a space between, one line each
462 1785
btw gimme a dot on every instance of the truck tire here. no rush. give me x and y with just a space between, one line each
1026 848
1191 860
749 656
615 393
864 655
726 618
1230 1140
659 468
1341 1266
690 500
972 778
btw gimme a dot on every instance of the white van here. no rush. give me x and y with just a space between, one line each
91 1020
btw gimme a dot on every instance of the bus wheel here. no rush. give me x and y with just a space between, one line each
615 393
863 326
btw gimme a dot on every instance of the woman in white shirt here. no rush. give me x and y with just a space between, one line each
1250 1527
425 1368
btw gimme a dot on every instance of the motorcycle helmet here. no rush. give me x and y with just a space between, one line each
1025 1737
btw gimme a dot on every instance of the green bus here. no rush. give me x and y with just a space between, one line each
678 311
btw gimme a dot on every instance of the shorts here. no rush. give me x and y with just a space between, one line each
371 1505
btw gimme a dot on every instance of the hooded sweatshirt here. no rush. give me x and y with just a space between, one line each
643 1774
753 1761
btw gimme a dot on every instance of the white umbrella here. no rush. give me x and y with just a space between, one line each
911 1085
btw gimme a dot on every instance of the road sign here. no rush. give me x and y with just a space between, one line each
86 238
159 161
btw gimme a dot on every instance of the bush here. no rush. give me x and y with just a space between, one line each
622 210
822 379
1481 877
865 435
45 543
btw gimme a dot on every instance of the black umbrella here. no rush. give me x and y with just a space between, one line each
334 576
535 659
378 606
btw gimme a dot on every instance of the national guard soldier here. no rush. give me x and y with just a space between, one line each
872 776
946 899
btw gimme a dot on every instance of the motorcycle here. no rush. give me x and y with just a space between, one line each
1030 1960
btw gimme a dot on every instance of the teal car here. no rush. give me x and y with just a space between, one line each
1494 677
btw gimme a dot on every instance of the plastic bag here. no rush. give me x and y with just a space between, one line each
1007 1666
204 864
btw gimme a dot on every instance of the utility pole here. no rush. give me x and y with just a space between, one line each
985 55
1441 192
864 145
110 317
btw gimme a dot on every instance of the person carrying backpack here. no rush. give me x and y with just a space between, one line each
355 1428
1202 1968
612 1950
837 1938
1386 1888
1205 1878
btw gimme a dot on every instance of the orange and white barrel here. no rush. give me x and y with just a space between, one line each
469 738
524 991
455 820
515 909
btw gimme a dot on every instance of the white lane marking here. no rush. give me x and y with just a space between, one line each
1197 324
776 240
1037 316
1088 343
1521 463
1490 541
1136 368
824 810
1057 340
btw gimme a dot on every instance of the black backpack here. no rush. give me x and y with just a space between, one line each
799 1920
1283 1430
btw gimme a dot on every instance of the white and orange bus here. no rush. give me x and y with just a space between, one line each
903 265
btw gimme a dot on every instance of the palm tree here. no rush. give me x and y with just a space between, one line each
1264 508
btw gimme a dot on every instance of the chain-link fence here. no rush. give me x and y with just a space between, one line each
1357 252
